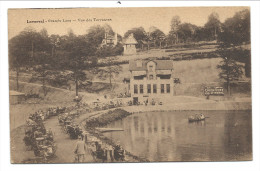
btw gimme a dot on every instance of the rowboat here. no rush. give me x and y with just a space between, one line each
196 117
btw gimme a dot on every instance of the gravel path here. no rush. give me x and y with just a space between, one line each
65 145
65 150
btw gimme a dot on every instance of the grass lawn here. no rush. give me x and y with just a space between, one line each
193 74
189 71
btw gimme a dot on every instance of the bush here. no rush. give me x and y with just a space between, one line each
58 81
106 51
104 119
118 50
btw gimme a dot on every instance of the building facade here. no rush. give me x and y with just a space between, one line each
151 80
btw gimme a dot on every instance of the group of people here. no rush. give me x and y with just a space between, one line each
196 117
123 95
41 115
68 126
41 141
37 138
106 105
74 131
101 152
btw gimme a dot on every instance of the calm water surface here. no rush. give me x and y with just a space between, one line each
168 136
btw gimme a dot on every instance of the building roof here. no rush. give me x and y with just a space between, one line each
130 40
160 65
15 93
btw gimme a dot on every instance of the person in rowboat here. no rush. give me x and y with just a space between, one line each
202 116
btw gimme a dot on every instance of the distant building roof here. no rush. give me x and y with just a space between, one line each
15 93
130 40
160 65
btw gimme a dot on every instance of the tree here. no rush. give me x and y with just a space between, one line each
201 34
42 59
55 43
213 26
235 34
22 49
18 56
231 71
110 72
79 56
175 22
170 38
42 72
96 34
157 36
42 67
186 32
236 30
106 52
76 59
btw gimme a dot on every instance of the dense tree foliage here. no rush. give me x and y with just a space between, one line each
106 51
78 56
110 72
157 36
175 22
55 54
27 49
44 53
231 70
235 33
95 35
213 26
187 32
22 47
236 30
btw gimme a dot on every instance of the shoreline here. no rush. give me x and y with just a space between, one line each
194 106
91 130
94 132
226 106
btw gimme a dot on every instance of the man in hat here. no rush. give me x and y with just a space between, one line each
80 149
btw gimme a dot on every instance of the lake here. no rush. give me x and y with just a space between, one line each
168 136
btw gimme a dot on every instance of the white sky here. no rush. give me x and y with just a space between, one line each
123 19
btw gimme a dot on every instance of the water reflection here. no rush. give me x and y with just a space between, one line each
168 136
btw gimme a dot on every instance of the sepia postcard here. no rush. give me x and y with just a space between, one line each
107 85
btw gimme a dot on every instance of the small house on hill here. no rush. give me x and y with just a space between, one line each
129 45
109 40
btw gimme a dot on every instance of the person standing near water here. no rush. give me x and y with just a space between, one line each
80 150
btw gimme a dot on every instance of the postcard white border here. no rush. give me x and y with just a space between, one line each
180 166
